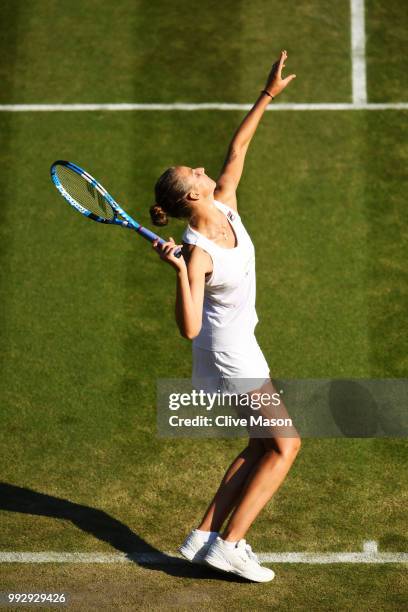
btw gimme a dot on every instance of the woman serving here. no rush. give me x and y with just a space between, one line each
215 308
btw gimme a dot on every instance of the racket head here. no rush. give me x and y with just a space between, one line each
84 192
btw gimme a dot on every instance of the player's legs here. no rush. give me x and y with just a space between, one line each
258 471
207 375
265 479
231 486
266 476
231 553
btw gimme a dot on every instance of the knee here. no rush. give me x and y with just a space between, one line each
297 443
290 448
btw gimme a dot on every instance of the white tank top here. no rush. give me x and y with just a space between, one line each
229 315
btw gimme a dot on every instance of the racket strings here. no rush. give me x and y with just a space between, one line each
84 193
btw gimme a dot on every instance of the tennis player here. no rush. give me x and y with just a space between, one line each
215 308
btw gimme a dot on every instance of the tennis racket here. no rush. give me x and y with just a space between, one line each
88 196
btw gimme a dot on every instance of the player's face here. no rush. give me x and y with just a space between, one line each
199 180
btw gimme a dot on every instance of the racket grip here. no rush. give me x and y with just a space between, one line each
177 253
149 235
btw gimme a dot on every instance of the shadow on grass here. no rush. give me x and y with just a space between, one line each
103 527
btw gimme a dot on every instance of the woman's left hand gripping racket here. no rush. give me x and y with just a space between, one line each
88 196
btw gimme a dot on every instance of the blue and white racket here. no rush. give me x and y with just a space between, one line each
88 196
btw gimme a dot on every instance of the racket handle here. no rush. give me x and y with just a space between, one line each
177 253
149 235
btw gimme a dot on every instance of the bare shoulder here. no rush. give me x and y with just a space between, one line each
198 261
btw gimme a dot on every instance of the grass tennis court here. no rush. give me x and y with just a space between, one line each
87 311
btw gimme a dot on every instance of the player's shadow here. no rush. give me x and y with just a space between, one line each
103 527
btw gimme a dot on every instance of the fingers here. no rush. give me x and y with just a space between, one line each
168 247
156 243
289 79
275 80
165 249
283 57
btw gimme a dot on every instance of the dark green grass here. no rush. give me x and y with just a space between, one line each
164 52
387 50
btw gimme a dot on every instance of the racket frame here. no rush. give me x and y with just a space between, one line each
126 221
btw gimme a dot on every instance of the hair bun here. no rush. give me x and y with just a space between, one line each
158 215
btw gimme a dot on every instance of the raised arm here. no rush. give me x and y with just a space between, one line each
234 163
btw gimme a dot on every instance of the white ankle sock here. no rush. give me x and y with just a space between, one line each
230 545
206 535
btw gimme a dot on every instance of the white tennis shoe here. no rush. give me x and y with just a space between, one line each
240 560
194 547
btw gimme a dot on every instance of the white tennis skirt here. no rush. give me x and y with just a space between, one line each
236 371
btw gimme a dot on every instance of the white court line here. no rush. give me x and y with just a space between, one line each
370 554
181 106
358 58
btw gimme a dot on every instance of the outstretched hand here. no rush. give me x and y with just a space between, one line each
275 83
